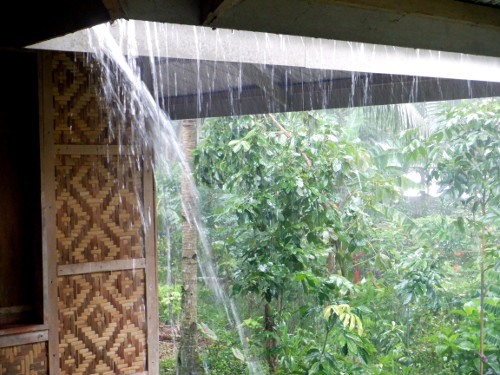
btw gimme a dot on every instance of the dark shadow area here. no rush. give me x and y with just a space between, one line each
21 286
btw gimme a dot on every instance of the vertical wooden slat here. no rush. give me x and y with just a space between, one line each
48 209
151 268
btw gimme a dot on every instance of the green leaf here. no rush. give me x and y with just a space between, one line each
407 299
470 307
440 349
238 354
460 224
466 345
208 332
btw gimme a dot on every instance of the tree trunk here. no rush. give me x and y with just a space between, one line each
481 303
188 362
270 342
330 263
356 270
482 358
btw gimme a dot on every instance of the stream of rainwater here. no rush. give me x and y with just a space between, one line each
130 101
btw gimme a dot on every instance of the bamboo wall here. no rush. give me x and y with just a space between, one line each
24 359
99 263
100 239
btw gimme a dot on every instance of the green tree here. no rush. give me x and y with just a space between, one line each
294 186
464 156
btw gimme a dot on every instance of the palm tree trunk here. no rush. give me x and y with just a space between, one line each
481 304
483 291
188 362
269 342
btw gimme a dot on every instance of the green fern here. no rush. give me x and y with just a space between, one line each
492 339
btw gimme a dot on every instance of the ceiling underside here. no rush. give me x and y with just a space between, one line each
200 89
448 25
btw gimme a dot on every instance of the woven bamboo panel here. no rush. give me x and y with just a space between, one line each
28 359
102 323
98 213
79 115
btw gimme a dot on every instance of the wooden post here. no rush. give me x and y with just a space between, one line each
151 267
47 156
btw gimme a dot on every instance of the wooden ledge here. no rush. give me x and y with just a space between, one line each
105 150
103 266
23 328
23 335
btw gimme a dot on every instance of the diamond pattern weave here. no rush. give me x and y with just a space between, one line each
102 323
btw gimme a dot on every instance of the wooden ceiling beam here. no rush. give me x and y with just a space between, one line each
451 10
114 9
443 25
213 9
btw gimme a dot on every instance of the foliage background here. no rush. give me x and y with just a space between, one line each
334 266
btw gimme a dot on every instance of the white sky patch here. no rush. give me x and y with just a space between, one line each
411 193
434 190
415 177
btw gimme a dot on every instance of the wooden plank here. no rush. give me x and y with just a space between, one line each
94 150
114 9
451 10
23 338
151 266
215 8
104 266
24 329
47 159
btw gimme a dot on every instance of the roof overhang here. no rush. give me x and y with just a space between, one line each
466 26
206 72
